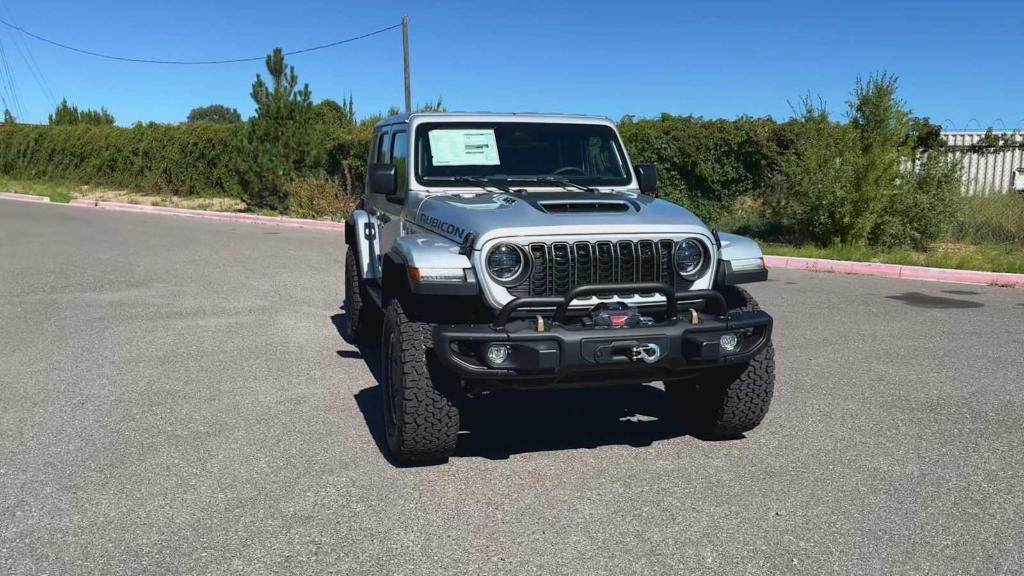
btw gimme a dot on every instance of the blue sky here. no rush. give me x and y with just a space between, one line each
958 62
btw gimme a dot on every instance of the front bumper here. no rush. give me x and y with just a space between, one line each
564 352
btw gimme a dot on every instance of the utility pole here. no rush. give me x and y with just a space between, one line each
405 55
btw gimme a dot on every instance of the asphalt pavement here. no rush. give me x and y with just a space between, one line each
175 398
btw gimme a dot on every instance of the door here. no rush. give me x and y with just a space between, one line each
372 201
390 209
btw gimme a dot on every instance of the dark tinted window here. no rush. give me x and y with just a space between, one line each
382 149
400 156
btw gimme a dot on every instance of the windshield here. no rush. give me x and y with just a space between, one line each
586 154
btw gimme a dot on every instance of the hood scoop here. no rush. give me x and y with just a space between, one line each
582 206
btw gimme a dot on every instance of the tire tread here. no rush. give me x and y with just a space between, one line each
429 424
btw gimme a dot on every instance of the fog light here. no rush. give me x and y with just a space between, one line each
729 342
497 354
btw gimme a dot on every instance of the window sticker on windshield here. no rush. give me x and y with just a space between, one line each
463 147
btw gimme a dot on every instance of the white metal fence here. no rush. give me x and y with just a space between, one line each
989 171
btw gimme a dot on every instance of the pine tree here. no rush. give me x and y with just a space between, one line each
65 114
101 117
8 117
281 139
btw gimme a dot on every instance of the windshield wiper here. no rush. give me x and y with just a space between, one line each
484 183
552 179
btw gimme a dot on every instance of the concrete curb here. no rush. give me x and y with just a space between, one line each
895 271
23 197
790 262
209 215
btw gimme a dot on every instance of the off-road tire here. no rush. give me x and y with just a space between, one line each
731 400
421 414
362 316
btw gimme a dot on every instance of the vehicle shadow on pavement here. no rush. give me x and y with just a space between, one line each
500 424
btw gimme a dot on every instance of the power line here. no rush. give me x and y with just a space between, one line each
12 84
192 62
30 60
36 72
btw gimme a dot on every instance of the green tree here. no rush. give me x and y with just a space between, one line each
281 140
925 136
882 179
819 196
882 123
214 114
64 115
9 118
330 115
432 106
99 117
68 115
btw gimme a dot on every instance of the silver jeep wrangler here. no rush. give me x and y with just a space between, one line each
524 251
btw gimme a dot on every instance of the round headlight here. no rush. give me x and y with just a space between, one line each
689 258
506 263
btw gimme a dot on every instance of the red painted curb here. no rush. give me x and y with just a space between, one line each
23 197
210 215
895 271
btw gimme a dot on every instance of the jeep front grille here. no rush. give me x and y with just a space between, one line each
561 266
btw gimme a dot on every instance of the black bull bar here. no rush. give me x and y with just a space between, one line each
560 350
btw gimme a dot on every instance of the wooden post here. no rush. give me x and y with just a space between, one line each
405 55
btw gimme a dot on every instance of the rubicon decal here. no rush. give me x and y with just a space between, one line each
442 226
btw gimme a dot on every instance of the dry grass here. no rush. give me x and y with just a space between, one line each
214 204
963 256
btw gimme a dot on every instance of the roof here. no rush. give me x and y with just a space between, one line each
490 116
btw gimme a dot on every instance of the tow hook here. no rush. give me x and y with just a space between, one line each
649 353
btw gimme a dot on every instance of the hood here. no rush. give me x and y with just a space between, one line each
489 215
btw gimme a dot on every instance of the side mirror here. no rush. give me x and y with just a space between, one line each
383 179
647 177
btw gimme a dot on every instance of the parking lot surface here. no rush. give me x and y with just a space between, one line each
175 397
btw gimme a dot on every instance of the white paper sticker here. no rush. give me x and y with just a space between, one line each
463 147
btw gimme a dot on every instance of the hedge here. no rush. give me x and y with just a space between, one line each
188 159
707 165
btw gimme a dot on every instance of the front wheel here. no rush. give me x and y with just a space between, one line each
421 415
728 401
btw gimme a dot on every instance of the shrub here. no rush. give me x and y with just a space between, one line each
817 192
881 179
188 160
320 198
706 164
925 207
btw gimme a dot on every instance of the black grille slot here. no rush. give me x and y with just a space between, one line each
605 263
627 261
560 266
665 270
585 269
538 282
648 261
